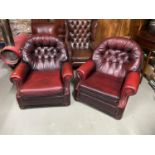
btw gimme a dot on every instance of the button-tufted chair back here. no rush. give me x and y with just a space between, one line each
44 52
117 56
79 33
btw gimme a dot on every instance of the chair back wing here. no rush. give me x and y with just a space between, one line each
44 28
44 52
56 28
79 33
117 56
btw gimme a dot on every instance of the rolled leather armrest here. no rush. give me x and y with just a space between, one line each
131 83
67 74
130 87
84 70
19 74
67 71
20 40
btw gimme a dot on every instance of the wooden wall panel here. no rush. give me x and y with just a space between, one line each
136 25
117 27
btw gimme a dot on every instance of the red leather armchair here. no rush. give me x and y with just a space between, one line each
113 74
11 54
43 76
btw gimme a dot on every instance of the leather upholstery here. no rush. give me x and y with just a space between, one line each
130 87
18 76
85 70
43 77
109 90
79 33
44 28
80 37
67 70
113 74
42 83
44 53
117 56
67 74
131 83
81 55
56 28
11 55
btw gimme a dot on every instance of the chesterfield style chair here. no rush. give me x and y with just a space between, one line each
80 36
11 54
113 74
43 76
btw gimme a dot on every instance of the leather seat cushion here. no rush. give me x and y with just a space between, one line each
42 83
78 55
102 86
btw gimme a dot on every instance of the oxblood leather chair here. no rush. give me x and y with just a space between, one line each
113 74
11 55
43 77
80 36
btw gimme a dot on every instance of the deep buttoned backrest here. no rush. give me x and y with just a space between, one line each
117 56
79 33
44 52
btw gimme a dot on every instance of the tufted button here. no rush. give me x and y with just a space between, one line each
113 54
81 33
43 52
